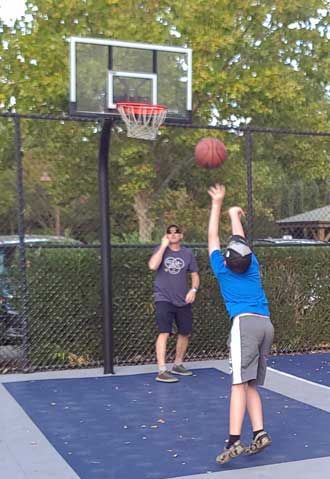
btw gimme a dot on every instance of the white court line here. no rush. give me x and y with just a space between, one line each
219 364
25 452
299 378
307 469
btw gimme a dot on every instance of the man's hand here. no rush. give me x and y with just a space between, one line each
165 241
217 193
236 211
156 259
190 296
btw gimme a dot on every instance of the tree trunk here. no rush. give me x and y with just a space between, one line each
142 203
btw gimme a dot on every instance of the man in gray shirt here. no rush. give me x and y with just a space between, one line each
173 299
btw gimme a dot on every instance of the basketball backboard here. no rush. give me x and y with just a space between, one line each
104 72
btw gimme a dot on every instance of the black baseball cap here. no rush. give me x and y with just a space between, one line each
238 255
177 229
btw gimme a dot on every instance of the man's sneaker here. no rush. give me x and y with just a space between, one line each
166 377
259 443
181 370
233 451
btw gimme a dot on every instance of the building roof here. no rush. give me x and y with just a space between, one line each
319 215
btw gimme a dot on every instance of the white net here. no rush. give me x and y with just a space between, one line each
142 119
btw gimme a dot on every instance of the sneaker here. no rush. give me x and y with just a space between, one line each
181 370
233 451
259 443
166 377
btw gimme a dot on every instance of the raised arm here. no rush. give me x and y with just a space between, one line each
235 215
217 194
156 259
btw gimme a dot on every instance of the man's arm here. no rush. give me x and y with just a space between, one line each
217 194
235 215
194 280
156 259
191 295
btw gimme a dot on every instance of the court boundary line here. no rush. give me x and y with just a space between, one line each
299 378
32 454
270 471
219 364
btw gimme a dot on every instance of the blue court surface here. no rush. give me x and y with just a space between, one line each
313 367
132 427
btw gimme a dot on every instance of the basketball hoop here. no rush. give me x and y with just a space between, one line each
142 119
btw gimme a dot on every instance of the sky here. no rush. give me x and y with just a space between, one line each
11 9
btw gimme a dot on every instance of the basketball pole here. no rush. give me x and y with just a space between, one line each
104 210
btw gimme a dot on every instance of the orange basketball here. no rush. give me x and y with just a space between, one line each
210 153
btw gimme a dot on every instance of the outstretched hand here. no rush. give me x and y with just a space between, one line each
217 193
236 211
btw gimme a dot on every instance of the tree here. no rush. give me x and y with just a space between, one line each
261 62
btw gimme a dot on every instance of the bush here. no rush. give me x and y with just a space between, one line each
63 305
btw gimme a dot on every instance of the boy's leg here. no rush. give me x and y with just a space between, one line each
237 410
238 402
240 365
261 438
254 406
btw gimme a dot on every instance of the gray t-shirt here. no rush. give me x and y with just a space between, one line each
171 282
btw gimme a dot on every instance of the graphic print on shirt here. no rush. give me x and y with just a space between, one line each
173 265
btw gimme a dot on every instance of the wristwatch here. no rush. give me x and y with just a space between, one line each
194 290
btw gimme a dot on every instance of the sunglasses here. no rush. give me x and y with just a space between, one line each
173 232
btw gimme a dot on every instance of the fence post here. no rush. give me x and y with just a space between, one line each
21 234
104 209
249 180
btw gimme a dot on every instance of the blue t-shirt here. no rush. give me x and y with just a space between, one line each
171 282
241 292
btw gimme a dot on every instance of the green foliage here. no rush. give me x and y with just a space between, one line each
262 62
63 307
297 284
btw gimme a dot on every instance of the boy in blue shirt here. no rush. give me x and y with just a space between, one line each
251 333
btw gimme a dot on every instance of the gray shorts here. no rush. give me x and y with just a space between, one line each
250 341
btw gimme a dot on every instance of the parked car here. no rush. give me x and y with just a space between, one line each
11 327
10 333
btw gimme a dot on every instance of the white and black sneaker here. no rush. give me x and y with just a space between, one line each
231 452
259 443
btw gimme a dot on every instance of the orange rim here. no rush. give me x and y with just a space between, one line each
136 107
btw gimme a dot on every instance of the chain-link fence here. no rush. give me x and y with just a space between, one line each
51 283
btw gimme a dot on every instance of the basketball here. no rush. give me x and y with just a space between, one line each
210 153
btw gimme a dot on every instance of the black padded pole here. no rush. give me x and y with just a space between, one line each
104 209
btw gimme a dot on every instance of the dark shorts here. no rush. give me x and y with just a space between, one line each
168 313
250 341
